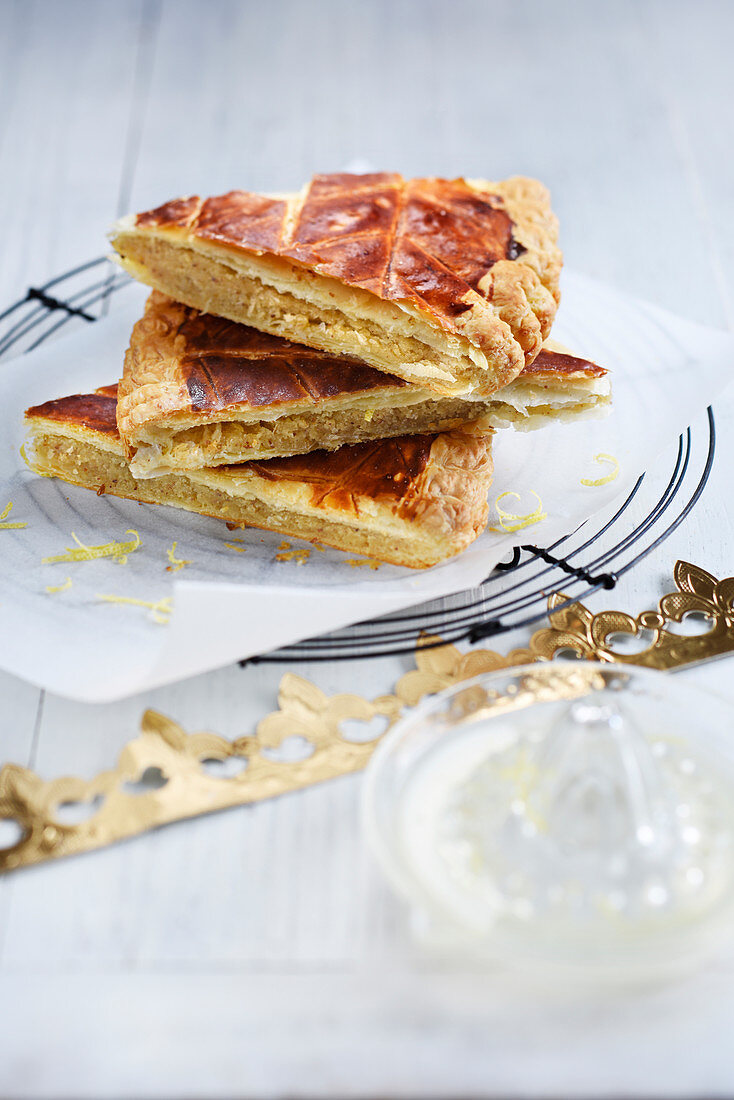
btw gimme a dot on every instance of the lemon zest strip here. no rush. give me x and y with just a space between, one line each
33 466
9 526
51 588
611 476
117 550
516 521
161 609
176 563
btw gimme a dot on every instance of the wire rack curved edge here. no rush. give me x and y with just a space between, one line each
514 595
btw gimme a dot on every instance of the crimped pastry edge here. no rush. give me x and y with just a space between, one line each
453 487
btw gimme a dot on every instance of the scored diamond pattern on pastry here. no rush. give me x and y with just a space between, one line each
429 240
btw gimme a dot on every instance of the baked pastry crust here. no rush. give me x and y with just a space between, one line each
199 391
556 387
449 284
413 501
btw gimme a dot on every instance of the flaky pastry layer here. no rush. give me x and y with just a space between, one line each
412 501
448 284
201 391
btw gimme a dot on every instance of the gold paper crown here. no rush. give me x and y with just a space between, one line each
163 775
699 596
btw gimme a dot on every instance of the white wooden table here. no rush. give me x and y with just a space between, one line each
257 953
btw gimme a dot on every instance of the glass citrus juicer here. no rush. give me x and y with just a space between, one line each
569 819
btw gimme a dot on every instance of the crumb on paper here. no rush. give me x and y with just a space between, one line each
234 545
285 546
611 476
509 522
160 609
357 562
298 556
52 588
3 516
175 563
117 550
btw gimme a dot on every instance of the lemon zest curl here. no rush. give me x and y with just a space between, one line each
510 522
51 588
176 563
611 476
32 465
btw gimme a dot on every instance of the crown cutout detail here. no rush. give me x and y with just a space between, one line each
166 775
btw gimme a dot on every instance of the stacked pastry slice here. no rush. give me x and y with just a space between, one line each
449 284
330 365
412 500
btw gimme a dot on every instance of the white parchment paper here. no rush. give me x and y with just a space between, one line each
230 604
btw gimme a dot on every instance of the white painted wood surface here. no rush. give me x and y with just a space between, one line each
256 953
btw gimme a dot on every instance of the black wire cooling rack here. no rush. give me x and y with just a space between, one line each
515 594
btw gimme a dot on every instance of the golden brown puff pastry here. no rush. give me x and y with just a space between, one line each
198 390
556 386
412 501
449 284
